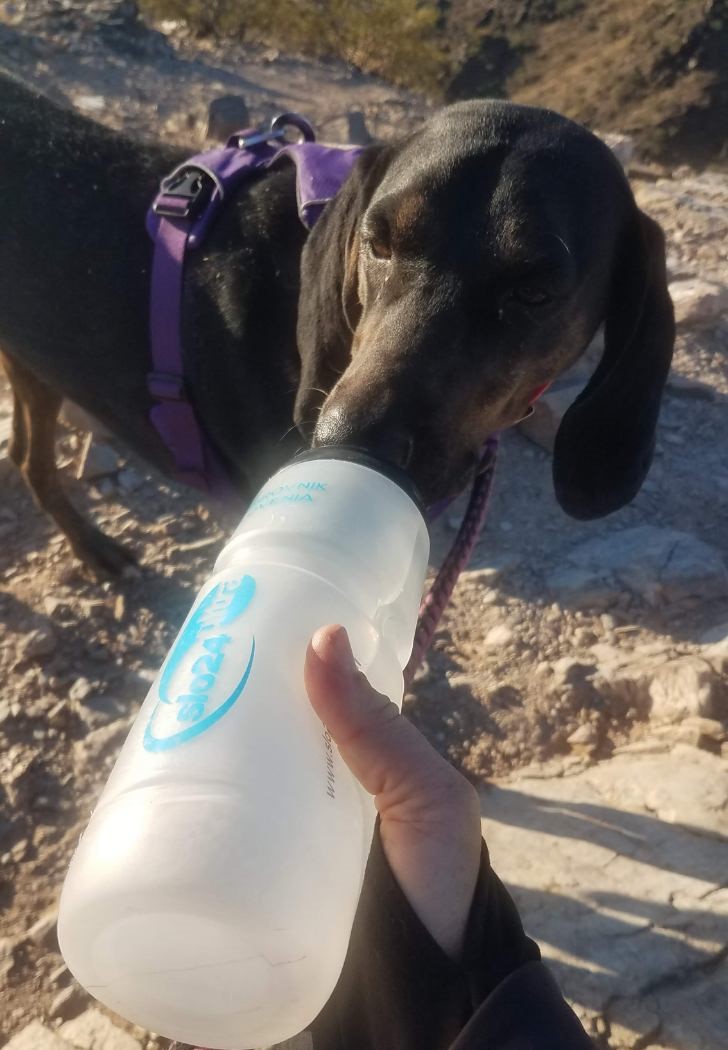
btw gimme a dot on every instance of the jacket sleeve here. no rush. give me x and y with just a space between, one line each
399 991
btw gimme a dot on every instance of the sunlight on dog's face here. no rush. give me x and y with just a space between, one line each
474 285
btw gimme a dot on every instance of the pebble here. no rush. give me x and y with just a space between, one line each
583 735
43 931
39 643
67 1003
584 637
80 690
97 460
501 634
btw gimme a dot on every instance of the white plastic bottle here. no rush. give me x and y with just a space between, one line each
212 896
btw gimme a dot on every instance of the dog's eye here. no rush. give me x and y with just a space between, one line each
380 248
531 295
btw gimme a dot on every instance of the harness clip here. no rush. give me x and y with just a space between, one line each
184 193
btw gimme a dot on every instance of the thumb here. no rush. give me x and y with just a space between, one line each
387 755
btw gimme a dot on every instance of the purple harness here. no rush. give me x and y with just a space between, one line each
178 221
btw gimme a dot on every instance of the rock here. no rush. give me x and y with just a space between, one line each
358 132
585 735
20 776
706 733
622 146
67 1003
39 643
715 649
651 563
88 753
698 302
130 480
80 690
617 870
7 958
684 687
93 1030
639 1022
304 1041
488 568
78 418
97 460
58 974
583 637
541 426
568 671
225 115
501 634
89 103
36 1036
683 386
43 931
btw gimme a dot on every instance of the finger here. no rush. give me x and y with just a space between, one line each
389 757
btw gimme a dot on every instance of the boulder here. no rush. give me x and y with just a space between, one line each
648 562
617 871
683 688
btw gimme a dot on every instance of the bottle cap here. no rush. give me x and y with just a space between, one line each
352 454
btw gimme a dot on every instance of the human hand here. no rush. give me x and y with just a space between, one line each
429 814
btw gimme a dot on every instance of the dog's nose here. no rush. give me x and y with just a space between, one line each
389 441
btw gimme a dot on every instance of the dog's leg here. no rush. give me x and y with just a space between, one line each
32 449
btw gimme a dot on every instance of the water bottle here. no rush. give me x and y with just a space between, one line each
211 897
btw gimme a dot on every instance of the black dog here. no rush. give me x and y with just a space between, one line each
455 272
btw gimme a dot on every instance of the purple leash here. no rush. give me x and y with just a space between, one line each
436 600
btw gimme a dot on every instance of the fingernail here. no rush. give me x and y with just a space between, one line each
343 656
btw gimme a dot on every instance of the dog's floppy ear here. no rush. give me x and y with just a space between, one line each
328 306
606 440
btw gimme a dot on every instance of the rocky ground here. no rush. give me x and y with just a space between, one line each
578 676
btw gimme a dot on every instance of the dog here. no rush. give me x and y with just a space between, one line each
457 271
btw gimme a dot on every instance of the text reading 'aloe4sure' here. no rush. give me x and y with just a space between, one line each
195 691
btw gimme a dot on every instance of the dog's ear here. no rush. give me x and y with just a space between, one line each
606 440
328 306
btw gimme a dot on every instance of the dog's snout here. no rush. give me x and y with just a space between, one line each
388 440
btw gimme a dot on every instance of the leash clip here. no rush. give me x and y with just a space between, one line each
276 132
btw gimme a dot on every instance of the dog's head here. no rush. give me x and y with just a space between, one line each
460 270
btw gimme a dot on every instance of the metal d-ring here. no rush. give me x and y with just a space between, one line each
292 120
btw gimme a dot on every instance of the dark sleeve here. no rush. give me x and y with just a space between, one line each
525 1012
398 990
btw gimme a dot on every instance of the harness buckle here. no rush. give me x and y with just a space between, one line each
184 193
